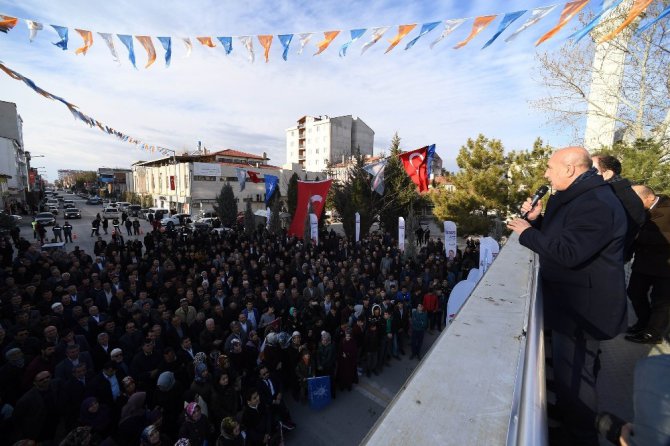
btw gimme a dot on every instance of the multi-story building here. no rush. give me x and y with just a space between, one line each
316 142
190 183
13 161
115 180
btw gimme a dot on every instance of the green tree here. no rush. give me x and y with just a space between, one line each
400 193
249 218
292 194
481 187
226 206
644 162
526 172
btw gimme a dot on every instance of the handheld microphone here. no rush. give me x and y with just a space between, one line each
541 192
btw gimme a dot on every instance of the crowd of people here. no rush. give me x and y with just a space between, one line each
200 338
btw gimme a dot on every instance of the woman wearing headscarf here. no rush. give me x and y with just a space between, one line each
225 399
168 396
196 426
347 361
97 416
133 419
202 384
230 433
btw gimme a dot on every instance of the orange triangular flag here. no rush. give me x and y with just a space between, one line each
7 23
88 41
403 30
207 41
477 27
569 11
638 8
328 37
266 41
149 47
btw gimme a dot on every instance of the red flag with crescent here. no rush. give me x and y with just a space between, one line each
314 192
253 176
416 166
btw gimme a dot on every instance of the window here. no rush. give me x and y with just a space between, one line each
203 178
317 151
258 197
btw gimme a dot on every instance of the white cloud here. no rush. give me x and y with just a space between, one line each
440 96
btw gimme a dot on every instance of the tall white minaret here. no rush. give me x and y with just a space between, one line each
606 77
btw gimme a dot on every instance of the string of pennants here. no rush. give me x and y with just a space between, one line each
92 122
569 11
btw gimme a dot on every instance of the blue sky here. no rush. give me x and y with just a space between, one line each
440 96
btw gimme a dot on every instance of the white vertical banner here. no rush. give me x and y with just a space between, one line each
401 233
314 227
450 243
488 251
268 214
358 227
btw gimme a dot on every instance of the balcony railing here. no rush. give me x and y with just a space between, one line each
482 381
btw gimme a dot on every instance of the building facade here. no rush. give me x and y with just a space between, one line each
190 183
115 181
316 142
13 160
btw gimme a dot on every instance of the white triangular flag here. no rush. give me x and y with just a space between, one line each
304 40
248 43
110 44
449 27
377 34
34 27
189 45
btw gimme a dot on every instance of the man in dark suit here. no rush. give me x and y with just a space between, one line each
651 270
73 357
580 242
270 392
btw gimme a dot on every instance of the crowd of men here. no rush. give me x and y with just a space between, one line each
201 337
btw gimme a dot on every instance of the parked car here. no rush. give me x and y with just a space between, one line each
72 213
176 219
111 212
203 223
134 210
122 205
94 200
45 218
53 210
68 204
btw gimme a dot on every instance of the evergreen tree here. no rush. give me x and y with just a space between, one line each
275 208
226 206
644 162
526 173
292 194
249 219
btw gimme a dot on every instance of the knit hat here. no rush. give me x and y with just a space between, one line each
166 381
190 408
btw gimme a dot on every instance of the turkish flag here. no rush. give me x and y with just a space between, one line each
308 191
416 166
172 182
253 176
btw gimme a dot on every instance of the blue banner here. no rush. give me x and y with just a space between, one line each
285 40
355 35
227 43
167 45
318 392
506 22
271 183
128 42
425 29
429 161
62 33
665 12
587 29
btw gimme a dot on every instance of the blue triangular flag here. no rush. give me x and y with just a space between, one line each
62 32
285 40
592 24
425 29
167 45
506 22
355 35
430 155
271 183
128 42
665 12
227 43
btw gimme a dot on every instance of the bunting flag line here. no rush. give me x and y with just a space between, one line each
355 35
62 33
34 27
266 42
249 45
536 15
403 30
304 40
271 182
110 45
638 8
569 11
128 42
167 46
377 172
206 41
417 171
148 45
477 27
377 34
504 24
88 41
227 43
189 46
241 177
83 117
328 37
7 23
285 40
425 29
607 7
663 14
449 27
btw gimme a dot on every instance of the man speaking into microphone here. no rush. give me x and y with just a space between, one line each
580 242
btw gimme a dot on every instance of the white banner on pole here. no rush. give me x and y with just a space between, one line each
401 234
450 243
488 250
358 227
314 226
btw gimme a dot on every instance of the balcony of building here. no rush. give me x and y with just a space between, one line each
483 380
